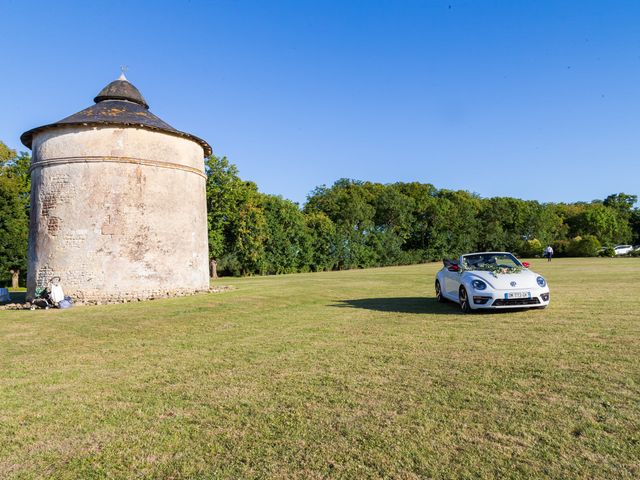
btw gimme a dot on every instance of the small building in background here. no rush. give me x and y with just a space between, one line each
118 203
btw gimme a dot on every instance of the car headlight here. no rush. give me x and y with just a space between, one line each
479 284
541 281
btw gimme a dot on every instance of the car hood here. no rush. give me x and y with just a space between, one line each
503 281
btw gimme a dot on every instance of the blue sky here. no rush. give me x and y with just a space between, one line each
536 100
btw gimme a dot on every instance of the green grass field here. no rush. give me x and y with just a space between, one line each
356 374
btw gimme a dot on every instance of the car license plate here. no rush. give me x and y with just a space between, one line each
517 295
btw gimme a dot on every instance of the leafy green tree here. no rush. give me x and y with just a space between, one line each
287 244
14 229
237 225
422 196
605 223
621 203
568 212
348 204
454 224
14 212
393 221
546 224
247 230
624 204
223 196
634 224
393 209
509 221
16 166
323 237
6 153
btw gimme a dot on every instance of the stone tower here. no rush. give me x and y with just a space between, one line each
118 204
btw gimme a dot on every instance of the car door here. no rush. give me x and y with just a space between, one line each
452 281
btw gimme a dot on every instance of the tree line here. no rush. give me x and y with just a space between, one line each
359 224
353 223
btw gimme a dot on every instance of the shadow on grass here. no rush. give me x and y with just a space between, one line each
401 305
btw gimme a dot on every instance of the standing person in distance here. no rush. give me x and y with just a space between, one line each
548 252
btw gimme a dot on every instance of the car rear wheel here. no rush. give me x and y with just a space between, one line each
439 295
464 301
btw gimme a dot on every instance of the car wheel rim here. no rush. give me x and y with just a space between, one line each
463 299
438 293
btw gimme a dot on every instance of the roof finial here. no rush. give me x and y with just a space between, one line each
123 68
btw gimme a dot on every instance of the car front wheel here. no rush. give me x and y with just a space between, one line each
464 301
439 296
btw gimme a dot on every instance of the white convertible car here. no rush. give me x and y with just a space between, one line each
491 280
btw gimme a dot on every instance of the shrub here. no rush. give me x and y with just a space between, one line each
410 257
607 252
560 248
531 248
229 264
586 246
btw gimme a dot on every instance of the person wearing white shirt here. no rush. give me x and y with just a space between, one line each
548 252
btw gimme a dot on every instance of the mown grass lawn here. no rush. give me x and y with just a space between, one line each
356 374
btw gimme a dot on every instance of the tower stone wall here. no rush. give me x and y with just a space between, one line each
118 212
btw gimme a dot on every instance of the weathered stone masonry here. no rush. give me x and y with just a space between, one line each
118 204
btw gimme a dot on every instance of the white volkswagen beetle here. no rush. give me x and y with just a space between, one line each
491 280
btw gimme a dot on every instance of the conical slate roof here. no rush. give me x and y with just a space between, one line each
118 104
121 89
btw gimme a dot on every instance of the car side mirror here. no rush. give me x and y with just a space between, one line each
454 268
525 264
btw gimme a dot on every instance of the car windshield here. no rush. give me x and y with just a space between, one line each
490 261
